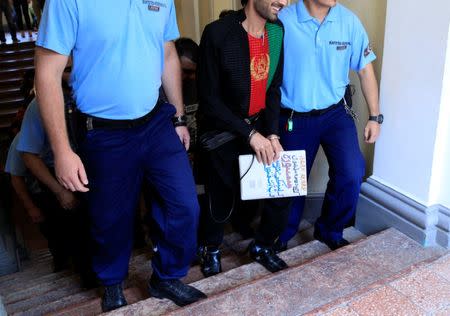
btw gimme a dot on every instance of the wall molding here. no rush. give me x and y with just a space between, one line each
443 226
381 207
2 308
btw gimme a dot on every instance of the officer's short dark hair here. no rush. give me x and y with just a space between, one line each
244 2
188 48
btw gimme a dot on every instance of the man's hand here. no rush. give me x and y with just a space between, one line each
276 147
371 132
35 214
67 199
263 148
70 172
183 134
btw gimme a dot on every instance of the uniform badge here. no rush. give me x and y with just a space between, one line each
368 50
154 8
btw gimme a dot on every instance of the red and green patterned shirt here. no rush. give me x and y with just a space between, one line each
259 72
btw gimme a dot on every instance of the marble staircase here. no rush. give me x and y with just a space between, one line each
318 282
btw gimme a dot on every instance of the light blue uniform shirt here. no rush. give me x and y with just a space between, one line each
33 138
14 163
118 51
318 57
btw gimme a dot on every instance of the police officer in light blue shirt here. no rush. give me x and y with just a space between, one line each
120 59
323 41
49 202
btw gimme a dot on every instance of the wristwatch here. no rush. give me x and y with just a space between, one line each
179 120
377 118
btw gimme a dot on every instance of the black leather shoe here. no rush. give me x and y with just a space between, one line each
332 244
175 290
113 298
210 262
266 257
279 246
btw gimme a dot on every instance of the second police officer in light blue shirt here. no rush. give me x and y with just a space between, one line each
323 41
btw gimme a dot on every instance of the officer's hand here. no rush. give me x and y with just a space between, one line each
263 148
371 132
276 147
183 133
35 214
66 199
70 172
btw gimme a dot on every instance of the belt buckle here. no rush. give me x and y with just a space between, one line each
89 125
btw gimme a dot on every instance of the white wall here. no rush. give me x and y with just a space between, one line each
440 179
411 96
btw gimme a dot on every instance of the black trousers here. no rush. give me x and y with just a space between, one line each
220 173
67 231
6 9
21 7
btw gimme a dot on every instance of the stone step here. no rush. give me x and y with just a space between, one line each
232 257
132 294
6 92
67 281
24 286
21 291
10 82
16 61
138 277
15 71
33 270
10 105
306 287
236 277
22 46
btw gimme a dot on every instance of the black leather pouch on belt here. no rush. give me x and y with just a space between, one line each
214 139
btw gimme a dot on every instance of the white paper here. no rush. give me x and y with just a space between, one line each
284 178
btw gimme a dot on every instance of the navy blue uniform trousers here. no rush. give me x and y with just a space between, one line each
335 130
117 161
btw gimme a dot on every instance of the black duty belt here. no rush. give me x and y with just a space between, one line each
292 113
93 122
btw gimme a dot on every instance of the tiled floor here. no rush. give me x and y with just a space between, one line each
425 291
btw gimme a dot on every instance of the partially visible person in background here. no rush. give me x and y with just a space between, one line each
58 211
6 8
27 92
21 8
224 13
37 10
187 51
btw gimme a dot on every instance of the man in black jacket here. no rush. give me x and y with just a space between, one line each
240 72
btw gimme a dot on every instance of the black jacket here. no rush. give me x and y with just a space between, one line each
224 80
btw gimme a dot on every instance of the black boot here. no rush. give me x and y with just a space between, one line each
332 244
266 257
175 290
210 261
113 298
279 246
